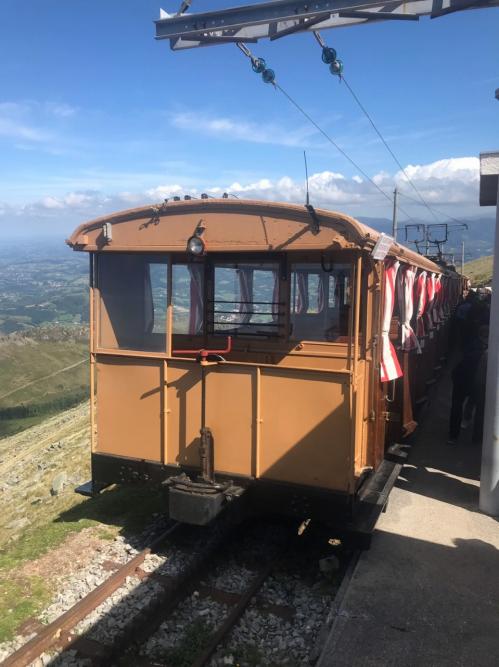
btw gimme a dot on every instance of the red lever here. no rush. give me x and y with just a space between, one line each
203 354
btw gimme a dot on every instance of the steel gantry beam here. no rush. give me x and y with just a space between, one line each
279 18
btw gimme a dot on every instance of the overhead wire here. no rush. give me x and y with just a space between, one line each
259 66
333 142
256 62
387 146
446 215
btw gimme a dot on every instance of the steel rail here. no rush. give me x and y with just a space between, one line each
50 635
233 617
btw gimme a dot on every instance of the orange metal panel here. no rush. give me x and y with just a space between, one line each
305 429
184 412
233 225
230 414
129 407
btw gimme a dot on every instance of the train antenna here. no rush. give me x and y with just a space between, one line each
306 177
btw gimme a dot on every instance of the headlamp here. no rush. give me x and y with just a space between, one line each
195 245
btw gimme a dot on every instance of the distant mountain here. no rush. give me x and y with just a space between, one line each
478 238
480 271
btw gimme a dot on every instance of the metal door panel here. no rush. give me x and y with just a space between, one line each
305 431
183 413
129 407
230 414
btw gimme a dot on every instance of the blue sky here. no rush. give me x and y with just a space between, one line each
96 115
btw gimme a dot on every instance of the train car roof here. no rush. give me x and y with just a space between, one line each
233 225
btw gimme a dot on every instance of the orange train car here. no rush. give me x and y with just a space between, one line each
256 350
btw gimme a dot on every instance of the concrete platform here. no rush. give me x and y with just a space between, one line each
427 593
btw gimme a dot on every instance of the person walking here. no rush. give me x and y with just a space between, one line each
464 383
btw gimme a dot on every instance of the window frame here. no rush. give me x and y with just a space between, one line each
332 259
97 283
215 259
283 343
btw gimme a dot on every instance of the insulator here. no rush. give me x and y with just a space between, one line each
336 67
268 75
328 55
258 65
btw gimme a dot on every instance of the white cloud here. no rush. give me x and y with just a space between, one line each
60 109
51 203
451 184
462 168
13 129
30 124
241 130
166 191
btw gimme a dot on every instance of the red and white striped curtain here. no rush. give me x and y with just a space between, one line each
246 292
390 367
275 296
405 294
444 299
332 296
196 310
436 313
420 307
302 296
321 296
430 297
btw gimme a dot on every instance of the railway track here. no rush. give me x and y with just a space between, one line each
58 634
178 595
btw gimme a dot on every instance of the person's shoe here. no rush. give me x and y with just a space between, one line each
452 441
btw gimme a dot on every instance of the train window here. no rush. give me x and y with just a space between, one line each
246 299
188 298
133 291
320 301
133 301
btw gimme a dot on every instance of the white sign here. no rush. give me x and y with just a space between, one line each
383 245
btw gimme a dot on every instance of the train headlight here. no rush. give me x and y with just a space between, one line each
195 245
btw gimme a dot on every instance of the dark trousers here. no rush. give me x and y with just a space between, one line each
479 414
459 394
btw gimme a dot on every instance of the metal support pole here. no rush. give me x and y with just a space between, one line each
394 221
462 258
489 478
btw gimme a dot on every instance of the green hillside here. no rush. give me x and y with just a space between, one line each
41 373
480 271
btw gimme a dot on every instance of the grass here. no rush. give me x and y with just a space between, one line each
18 418
123 510
24 367
12 426
32 361
480 271
126 508
20 599
195 640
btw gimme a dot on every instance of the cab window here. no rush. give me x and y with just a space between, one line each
320 302
246 299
